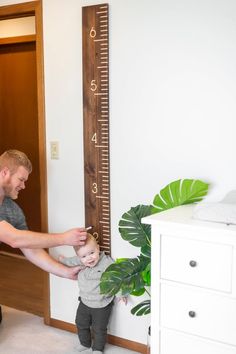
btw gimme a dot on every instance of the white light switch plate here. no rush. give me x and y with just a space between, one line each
54 147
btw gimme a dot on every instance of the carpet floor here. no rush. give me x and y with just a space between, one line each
24 333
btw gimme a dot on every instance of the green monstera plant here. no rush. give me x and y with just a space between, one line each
133 275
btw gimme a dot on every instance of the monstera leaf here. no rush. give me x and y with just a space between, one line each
183 191
124 277
133 275
143 308
132 230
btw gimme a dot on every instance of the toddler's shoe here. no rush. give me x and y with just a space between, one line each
82 349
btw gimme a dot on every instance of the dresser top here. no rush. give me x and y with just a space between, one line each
182 217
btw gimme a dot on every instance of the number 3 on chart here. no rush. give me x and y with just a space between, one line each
95 188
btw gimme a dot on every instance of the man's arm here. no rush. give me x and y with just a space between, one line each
30 239
43 260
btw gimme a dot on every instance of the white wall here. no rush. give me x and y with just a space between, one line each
172 114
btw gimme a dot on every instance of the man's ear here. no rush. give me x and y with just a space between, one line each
5 172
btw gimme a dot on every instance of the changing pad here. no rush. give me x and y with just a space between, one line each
218 212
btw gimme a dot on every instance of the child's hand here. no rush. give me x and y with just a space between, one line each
123 299
61 258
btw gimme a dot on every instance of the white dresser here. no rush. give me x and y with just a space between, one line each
193 293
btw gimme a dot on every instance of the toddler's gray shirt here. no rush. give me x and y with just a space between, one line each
89 281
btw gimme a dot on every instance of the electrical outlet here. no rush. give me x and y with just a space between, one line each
54 150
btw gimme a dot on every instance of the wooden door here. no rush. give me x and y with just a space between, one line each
19 130
19 120
34 198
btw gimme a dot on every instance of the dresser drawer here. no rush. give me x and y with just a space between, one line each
173 342
199 312
196 262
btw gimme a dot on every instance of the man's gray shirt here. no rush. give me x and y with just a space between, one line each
13 214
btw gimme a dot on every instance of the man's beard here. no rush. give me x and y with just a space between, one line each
9 191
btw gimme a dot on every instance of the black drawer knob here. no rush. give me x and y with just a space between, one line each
193 263
192 314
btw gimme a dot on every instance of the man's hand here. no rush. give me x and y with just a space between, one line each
72 272
75 237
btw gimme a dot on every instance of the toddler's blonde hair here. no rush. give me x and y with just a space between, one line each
90 238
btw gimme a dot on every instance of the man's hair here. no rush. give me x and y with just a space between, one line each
13 159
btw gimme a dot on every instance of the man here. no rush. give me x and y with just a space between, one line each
15 168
